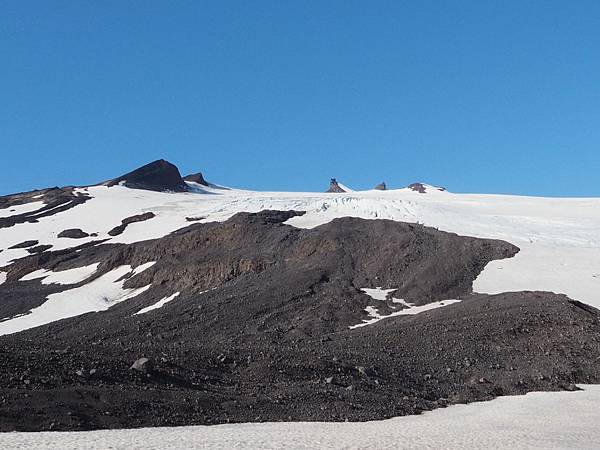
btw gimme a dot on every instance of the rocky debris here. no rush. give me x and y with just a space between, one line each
73 233
39 248
144 365
281 375
368 372
334 187
194 219
196 178
381 186
159 176
24 244
128 220
261 325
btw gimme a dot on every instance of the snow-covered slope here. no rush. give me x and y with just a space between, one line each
559 238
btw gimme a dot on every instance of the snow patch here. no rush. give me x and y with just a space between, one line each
2 277
409 310
158 304
69 276
97 295
21 209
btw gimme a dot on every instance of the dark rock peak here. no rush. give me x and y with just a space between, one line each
158 176
381 186
196 178
334 187
417 187
421 188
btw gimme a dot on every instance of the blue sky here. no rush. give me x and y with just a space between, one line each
478 96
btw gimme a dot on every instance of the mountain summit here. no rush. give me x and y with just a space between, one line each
159 175
196 178
334 187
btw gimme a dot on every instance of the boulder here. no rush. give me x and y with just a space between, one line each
73 233
143 364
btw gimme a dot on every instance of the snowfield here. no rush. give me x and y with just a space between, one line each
550 420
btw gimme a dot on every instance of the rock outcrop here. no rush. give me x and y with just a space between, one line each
197 178
73 233
334 187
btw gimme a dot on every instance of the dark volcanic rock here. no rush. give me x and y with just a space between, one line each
260 330
334 187
420 187
159 176
196 178
417 187
25 244
39 248
381 186
73 233
137 218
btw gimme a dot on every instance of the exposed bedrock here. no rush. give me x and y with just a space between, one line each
260 330
128 220
196 178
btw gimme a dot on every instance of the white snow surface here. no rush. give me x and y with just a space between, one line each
540 420
21 209
159 304
2 277
69 276
409 310
97 295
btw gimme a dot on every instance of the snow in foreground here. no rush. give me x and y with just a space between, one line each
548 420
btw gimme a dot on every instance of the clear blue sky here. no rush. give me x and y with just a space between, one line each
479 96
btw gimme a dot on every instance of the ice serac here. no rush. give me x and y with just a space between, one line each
196 178
334 187
158 176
